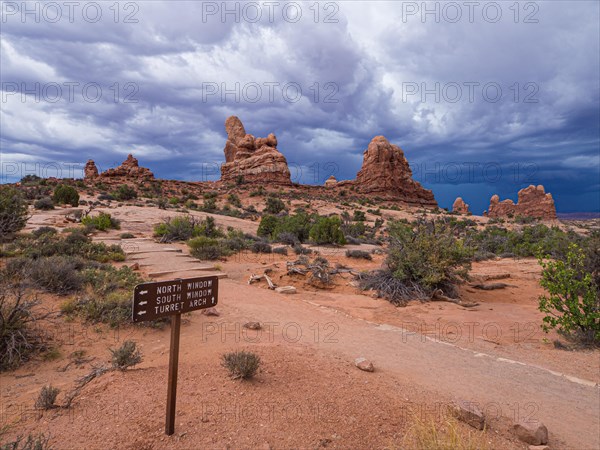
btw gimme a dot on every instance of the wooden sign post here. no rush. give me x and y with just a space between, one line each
152 301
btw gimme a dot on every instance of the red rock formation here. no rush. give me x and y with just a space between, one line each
460 206
130 169
90 171
385 171
257 160
532 202
331 182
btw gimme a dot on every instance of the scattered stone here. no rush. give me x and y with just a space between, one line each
531 432
135 266
490 287
468 413
253 325
364 364
385 171
538 447
532 202
254 160
286 290
460 206
211 312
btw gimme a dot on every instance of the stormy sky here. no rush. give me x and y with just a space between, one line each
483 97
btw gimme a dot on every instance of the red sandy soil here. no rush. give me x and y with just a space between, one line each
308 393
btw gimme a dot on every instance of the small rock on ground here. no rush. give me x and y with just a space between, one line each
253 325
364 364
531 432
211 312
286 290
469 413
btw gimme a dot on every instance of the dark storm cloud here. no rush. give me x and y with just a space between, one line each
167 74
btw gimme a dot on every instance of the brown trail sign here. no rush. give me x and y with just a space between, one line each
172 298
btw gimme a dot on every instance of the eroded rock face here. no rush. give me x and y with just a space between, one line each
385 171
460 206
532 202
90 170
255 160
130 168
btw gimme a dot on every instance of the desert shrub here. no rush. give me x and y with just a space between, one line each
280 250
127 355
127 236
66 195
267 226
44 230
205 248
56 274
19 335
105 197
572 305
101 222
421 261
327 230
234 200
235 241
125 192
13 211
109 298
32 442
525 219
241 364
274 205
288 238
209 205
47 397
298 224
361 254
44 204
359 216
261 247
301 250
30 179
258 192
182 228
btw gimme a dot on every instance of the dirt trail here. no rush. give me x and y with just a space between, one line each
502 387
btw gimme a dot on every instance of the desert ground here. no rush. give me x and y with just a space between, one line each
308 393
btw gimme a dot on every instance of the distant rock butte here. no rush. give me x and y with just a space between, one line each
255 160
331 182
130 169
385 171
460 206
90 171
532 202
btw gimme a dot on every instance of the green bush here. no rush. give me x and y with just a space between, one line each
572 305
125 192
101 222
261 247
327 230
13 211
234 200
44 204
274 205
267 226
205 248
423 259
66 195
182 228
